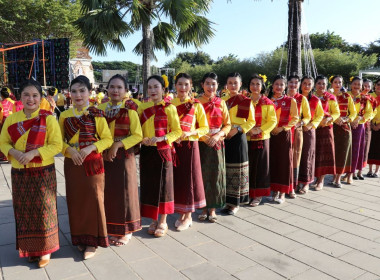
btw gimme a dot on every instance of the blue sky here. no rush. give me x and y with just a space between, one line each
249 27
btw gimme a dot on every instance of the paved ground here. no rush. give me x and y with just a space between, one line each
332 234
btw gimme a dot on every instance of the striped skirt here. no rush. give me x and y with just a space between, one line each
324 151
281 162
343 149
213 175
237 188
121 195
259 175
189 193
156 184
34 193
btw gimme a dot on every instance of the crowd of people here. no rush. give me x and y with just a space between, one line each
210 152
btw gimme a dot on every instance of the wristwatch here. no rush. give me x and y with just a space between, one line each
240 129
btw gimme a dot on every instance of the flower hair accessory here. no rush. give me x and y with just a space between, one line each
352 77
264 77
166 80
330 79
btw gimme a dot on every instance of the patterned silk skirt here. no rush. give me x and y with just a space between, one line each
343 149
374 150
358 147
34 193
307 165
237 169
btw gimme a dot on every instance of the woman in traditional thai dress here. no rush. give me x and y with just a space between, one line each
7 105
242 115
281 152
307 163
325 148
304 114
212 148
258 141
86 135
374 150
31 138
160 126
342 130
364 111
367 90
121 195
189 193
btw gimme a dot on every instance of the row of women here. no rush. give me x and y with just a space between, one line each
204 153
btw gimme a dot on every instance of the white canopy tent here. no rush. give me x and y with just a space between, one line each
374 71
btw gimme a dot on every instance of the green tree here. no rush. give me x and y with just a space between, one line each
114 65
105 22
25 20
374 48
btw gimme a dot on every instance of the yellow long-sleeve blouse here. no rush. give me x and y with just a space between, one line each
304 111
351 114
318 115
52 146
245 124
368 110
199 117
268 122
135 131
103 133
45 105
174 129
226 123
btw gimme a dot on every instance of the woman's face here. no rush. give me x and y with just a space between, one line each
321 85
279 86
337 84
293 85
31 99
80 95
233 85
307 86
183 87
367 86
155 90
210 86
116 90
377 88
356 86
255 86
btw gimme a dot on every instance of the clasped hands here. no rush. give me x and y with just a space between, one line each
79 156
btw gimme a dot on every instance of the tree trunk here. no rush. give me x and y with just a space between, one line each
294 38
147 48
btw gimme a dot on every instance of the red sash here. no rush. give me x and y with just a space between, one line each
325 102
160 127
283 105
93 163
313 102
130 105
214 112
37 133
258 113
7 108
298 97
243 104
186 110
362 99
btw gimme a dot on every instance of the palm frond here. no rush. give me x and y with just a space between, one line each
197 34
164 35
139 14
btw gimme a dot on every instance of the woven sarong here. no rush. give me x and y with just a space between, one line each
259 175
307 165
358 146
297 151
343 149
237 181
34 193
374 149
367 139
324 151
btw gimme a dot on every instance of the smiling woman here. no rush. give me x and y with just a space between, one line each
31 138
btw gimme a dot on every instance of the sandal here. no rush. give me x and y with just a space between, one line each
212 219
33 259
202 217
233 210
81 248
121 242
292 195
304 189
369 174
318 187
152 227
161 230
255 202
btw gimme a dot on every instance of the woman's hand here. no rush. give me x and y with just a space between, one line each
187 134
75 156
86 151
111 153
213 140
307 127
355 123
146 141
28 156
277 130
232 133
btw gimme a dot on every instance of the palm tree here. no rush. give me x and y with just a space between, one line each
105 22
